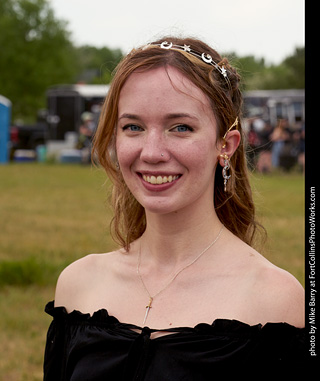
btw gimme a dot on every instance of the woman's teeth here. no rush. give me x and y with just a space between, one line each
159 179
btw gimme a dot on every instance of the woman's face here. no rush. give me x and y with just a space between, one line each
166 141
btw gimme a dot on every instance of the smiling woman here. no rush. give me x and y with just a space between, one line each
170 138
174 137
218 93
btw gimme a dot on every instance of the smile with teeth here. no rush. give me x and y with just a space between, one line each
159 179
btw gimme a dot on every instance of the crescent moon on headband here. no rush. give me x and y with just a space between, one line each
206 58
166 45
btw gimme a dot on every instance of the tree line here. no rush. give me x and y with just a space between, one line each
37 52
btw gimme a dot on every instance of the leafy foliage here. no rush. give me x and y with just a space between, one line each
35 53
97 64
256 75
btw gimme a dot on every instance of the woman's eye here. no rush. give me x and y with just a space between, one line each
183 128
132 127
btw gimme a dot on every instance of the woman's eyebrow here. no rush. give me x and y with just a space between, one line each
129 116
181 115
168 116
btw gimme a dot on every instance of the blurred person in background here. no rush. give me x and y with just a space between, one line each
279 136
86 132
264 164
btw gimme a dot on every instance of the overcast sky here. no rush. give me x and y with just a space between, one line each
264 28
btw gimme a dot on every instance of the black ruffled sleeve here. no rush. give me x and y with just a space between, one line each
54 357
99 347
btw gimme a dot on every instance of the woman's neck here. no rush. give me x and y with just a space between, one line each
173 239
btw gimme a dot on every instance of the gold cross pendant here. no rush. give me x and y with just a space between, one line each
148 309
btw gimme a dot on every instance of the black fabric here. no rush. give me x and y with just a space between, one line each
99 347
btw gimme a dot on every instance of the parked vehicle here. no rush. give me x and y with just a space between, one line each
29 136
66 104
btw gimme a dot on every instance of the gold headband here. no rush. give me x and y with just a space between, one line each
235 124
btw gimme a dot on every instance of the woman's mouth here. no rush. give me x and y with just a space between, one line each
157 179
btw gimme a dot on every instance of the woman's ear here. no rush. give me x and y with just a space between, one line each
228 145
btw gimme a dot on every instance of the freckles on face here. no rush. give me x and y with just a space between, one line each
165 129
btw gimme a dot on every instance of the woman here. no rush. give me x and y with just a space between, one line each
187 294
278 137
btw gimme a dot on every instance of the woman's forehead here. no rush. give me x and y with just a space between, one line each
167 84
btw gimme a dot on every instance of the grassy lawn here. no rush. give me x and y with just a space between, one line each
280 206
51 215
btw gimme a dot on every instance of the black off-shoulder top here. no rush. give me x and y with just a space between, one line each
82 347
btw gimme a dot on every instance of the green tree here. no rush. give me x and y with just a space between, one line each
248 67
36 53
296 65
97 64
256 75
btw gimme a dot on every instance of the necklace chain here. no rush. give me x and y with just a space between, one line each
174 276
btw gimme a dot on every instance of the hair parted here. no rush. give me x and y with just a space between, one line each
235 208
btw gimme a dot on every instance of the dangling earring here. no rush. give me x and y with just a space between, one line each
224 170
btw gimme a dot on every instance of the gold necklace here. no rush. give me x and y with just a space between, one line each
173 278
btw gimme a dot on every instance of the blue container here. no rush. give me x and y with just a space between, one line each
41 153
5 116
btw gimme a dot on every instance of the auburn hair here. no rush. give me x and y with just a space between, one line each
235 208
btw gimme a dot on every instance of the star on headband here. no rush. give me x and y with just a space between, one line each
203 56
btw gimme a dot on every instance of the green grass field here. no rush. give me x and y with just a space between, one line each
51 215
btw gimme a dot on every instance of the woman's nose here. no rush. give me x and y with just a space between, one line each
154 149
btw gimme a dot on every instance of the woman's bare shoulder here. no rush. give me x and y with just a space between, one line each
277 294
82 275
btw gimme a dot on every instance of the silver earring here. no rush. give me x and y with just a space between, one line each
224 170
162 154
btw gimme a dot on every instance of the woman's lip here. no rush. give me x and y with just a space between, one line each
158 173
159 179
158 182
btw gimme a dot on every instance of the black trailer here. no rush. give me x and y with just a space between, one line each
66 104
